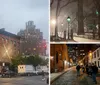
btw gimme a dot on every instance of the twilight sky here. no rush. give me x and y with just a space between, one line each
15 13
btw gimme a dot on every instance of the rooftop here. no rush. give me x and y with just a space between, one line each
3 32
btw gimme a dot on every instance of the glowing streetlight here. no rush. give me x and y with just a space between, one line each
53 22
51 57
34 49
97 13
90 56
62 24
3 64
68 19
6 51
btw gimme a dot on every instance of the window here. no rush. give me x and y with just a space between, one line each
94 54
97 53
21 67
98 63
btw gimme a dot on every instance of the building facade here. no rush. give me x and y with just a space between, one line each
96 57
9 46
59 59
76 51
92 55
32 42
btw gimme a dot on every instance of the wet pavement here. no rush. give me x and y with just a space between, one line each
70 78
34 80
66 79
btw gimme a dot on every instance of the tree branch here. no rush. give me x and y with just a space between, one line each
51 2
69 1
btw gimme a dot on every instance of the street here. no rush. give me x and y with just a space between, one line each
34 80
70 78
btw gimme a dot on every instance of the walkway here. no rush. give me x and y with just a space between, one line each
70 78
79 39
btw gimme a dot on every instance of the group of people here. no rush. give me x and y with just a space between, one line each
90 70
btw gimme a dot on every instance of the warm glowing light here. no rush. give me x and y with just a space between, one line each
51 57
53 22
3 64
90 53
34 48
62 24
6 51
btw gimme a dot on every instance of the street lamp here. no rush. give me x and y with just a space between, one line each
68 20
90 57
51 57
53 22
62 24
90 54
97 13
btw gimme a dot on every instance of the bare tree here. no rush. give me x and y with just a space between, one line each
59 8
97 5
51 2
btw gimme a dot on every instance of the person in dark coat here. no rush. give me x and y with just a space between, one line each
47 80
78 70
83 69
90 70
43 75
94 72
86 68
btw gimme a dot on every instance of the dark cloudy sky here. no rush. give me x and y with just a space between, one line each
14 14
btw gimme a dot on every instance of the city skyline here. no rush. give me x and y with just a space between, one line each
19 12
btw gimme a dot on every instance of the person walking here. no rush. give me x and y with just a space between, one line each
86 67
94 72
48 80
90 70
43 75
83 69
78 70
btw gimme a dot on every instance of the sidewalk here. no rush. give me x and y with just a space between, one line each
54 76
79 39
69 77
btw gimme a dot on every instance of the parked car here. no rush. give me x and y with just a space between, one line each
9 74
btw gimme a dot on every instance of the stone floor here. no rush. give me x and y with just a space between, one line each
70 78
